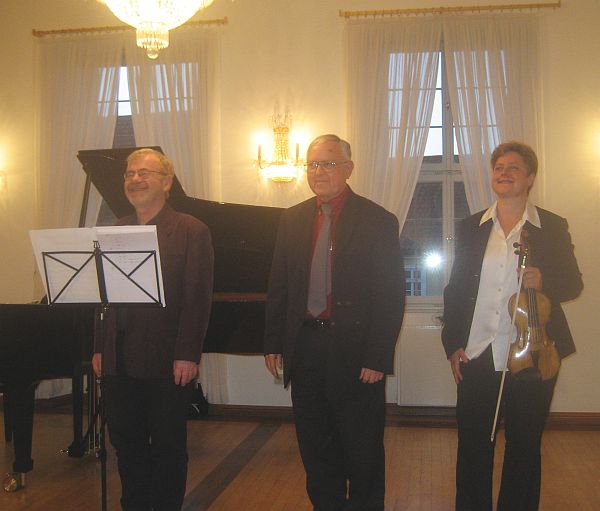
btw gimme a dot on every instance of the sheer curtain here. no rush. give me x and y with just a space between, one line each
174 103
495 93
77 80
391 75
77 85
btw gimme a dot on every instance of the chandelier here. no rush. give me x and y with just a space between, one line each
154 18
282 168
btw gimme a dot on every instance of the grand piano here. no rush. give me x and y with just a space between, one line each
56 341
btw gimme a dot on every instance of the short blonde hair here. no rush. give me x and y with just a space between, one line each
165 163
526 152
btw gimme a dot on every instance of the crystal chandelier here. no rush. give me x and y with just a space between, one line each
154 18
282 168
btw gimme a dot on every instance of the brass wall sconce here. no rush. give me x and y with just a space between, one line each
281 168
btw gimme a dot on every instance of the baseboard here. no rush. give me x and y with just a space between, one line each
402 416
416 416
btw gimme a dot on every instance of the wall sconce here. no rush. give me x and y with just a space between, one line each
282 168
3 159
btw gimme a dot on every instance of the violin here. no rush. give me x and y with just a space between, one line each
532 354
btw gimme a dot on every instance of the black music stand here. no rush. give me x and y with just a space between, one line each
122 278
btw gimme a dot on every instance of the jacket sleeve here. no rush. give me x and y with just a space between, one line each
197 294
561 278
277 296
387 299
453 331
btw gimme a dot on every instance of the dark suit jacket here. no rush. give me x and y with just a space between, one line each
551 251
367 287
154 337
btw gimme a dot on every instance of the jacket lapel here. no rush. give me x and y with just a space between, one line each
302 246
348 220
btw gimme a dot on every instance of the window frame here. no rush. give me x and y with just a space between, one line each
444 169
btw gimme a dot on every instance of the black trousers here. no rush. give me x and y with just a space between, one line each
524 409
339 430
147 424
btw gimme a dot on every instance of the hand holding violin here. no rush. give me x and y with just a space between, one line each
532 277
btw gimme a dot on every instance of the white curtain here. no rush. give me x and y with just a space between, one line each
174 103
78 96
77 83
391 71
495 92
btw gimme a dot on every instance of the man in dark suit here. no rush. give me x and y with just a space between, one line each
332 322
477 333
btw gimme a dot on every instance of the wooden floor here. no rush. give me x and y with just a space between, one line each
247 466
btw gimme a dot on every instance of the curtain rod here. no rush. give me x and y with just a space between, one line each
442 10
93 30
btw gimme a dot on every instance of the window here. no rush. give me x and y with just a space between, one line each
438 203
124 136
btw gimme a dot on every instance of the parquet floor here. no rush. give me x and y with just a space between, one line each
250 466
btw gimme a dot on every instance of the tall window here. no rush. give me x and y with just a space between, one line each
438 203
124 136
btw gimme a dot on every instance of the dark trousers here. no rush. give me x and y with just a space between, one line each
147 426
339 430
524 409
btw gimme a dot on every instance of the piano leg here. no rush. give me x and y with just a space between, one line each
7 420
78 448
19 400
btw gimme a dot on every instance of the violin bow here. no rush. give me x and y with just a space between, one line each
512 324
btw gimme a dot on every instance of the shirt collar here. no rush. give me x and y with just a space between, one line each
159 216
337 202
529 215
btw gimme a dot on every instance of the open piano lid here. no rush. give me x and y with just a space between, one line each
243 238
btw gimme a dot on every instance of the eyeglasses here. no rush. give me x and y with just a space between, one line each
143 174
327 166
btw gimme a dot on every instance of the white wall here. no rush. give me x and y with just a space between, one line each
291 53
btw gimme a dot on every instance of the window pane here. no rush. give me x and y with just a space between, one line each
124 103
461 208
435 144
436 116
123 84
421 242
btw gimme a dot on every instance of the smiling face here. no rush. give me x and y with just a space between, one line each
148 194
511 178
328 184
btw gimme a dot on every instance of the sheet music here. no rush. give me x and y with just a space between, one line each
141 267
130 260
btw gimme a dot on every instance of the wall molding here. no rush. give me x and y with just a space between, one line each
416 416
401 416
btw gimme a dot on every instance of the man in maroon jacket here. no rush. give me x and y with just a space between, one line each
149 357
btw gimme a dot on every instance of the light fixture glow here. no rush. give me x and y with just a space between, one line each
154 18
282 168
433 260
2 170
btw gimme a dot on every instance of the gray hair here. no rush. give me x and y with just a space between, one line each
344 146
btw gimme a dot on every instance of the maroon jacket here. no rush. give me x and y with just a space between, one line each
149 339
